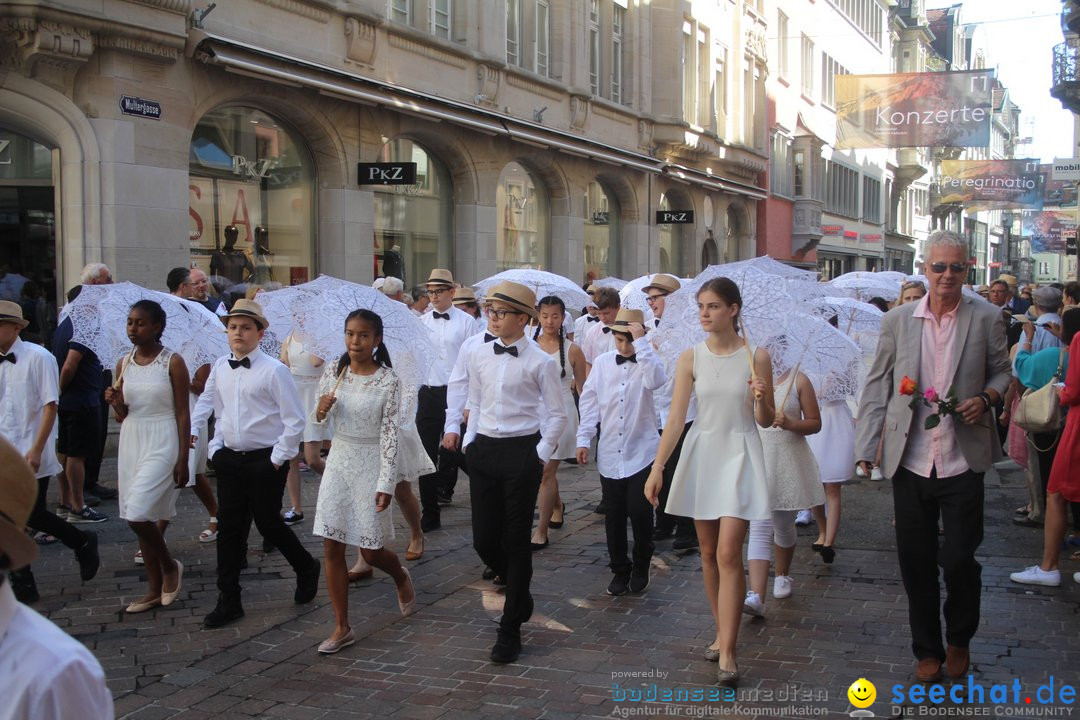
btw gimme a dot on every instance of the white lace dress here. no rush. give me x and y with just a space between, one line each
794 482
362 460
149 443
567 447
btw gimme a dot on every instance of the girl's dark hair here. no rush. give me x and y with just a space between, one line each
157 315
551 300
382 355
1070 325
728 291
881 303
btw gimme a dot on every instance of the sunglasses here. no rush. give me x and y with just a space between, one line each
958 268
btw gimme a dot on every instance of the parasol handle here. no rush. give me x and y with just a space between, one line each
794 379
340 377
123 367
749 355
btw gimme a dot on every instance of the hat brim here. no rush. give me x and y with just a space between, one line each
19 547
516 304
259 319
21 322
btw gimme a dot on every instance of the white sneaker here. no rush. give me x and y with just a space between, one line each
1076 577
804 518
1035 575
753 604
781 587
876 475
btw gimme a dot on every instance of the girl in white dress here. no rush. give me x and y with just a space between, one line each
550 335
833 447
362 395
155 434
306 370
794 484
720 479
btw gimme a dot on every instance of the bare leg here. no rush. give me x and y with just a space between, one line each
337 585
205 493
783 560
75 473
548 500
161 569
832 521
1053 530
313 457
759 576
820 518
410 509
387 561
707 532
62 481
731 587
162 526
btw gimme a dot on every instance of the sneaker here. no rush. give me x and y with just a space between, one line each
876 475
753 604
639 581
804 518
781 587
619 584
304 467
291 517
87 515
1035 575
1076 577
138 559
63 512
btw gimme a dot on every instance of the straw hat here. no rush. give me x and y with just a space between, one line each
249 309
663 282
18 492
627 317
440 276
464 295
516 296
1009 279
12 312
591 288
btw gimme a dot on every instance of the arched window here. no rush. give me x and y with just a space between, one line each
522 227
601 232
413 223
251 188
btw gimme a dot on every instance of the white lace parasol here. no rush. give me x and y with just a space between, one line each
865 285
827 356
99 321
318 310
852 316
611 282
542 283
632 295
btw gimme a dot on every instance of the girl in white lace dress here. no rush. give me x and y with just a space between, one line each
362 395
155 433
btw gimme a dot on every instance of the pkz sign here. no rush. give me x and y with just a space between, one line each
401 173
140 107
674 217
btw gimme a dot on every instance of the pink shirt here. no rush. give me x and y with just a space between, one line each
937 448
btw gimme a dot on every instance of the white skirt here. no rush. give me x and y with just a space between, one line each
308 387
145 462
834 446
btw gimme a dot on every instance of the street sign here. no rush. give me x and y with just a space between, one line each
1067 169
399 173
674 217
140 107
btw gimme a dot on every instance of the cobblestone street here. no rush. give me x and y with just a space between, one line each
844 621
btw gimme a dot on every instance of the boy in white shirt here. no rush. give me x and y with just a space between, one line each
619 396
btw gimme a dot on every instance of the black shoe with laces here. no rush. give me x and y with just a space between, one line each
507 647
619 585
87 555
227 611
639 581
307 584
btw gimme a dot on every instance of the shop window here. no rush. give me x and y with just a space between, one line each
413 224
672 254
601 232
251 195
521 209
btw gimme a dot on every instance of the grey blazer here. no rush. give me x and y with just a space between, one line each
982 363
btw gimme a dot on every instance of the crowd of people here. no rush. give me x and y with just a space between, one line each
716 449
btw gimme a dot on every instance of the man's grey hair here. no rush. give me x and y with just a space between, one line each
418 292
945 239
392 286
91 271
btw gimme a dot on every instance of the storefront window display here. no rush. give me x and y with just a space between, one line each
672 252
601 232
413 223
251 199
522 227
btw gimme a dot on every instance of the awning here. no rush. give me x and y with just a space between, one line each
246 59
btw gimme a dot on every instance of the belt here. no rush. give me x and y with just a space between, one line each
258 452
354 439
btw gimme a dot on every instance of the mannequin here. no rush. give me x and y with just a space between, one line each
230 262
263 257
392 265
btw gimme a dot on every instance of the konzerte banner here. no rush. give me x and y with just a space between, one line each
942 109
1048 229
992 184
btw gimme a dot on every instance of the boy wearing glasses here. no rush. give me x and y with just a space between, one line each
515 422
449 328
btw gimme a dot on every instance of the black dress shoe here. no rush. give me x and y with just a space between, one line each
105 493
429 522
90 499
685 542
499 581
816 547
227 611
639 581
827 554
87 555
538 546
488 574
662 533
507 647
307 584
268 546
601 509
443 499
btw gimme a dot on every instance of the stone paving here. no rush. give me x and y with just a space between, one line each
582 647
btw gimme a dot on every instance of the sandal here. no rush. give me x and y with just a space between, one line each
208 535
45 539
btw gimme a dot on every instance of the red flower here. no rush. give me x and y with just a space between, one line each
907 386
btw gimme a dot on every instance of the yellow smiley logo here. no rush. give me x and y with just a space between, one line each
862 693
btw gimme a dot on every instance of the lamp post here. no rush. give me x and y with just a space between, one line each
1007 241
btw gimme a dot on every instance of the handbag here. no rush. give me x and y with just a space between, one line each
1039 410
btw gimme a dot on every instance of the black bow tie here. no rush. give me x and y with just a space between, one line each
245 363
488 337
500 349
440 316
620 359
10 357
592 318
656 322
605 329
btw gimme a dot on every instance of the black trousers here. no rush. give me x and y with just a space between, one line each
683 526
97 454
44 520
250 488
504 480
430 419
918 501
625 498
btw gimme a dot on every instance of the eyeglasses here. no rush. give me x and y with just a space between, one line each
501 313
958 268
437 292
653 298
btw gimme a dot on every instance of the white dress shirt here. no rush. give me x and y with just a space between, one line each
457 387
620 398
596 342
447 336
26 387
567 324
46 674
505 390
256 407
582 324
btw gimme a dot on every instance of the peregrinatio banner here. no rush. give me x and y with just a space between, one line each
942 109
992 184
